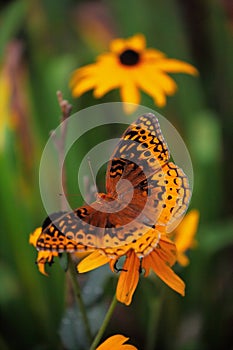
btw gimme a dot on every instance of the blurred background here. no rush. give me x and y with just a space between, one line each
41 43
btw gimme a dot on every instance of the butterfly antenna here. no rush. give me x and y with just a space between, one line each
92 174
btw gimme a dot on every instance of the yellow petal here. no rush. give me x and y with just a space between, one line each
149 86
103 76
167 251
41 268
82 73
116 342
92 261
155 83
41 260
112 264
184 234
136 42
128 279
130 95
117 45
34 236
165 82
129 107
176 66
83 86
164 272
109 75
146 266
44 257
82 255
182 259
107 83
150 55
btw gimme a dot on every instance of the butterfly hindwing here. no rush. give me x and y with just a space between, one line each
98 225
170 194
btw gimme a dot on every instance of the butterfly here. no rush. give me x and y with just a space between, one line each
143 190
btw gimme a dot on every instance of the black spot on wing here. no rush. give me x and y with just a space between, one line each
51 218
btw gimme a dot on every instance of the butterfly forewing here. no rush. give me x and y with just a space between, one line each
141 145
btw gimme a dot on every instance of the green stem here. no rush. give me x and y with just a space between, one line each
155 312
79 299
104 324
60 144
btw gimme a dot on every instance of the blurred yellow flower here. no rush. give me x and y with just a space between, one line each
116 342
131 67
184 235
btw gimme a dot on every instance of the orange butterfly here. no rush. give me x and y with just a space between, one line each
143 189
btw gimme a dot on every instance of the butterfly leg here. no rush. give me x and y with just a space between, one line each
116 269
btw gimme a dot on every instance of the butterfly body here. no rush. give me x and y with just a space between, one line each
143 190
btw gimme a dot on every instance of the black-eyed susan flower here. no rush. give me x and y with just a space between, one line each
184 236
131 67
160 259
116 342
159 256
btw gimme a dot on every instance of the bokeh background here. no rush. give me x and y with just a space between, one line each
41 43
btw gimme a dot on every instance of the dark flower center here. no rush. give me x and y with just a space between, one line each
129 57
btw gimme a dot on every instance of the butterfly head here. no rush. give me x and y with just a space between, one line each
104 197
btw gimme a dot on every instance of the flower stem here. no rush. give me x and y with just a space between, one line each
154 317
60 144
78 296
104 324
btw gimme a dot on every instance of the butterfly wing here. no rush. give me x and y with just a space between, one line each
99 225
141 151
143 189
142 157
91 227
170 194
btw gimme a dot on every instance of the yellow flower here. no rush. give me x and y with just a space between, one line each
184 235
116 342
160 258
159 254
131 67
